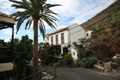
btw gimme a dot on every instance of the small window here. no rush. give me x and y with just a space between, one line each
62 38
87 34
73 53
56 39
52 40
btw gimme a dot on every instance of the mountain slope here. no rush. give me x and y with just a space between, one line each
105 14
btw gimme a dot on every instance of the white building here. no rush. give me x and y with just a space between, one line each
66 36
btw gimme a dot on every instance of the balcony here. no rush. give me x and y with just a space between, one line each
6 55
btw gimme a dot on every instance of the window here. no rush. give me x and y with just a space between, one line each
87 34
56 39
62 38
52 40
73 53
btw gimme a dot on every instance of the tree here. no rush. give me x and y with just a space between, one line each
22 54
47 52
3 44
38 12
44 52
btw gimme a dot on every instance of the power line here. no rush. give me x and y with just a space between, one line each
86 11
91 8
77 31
83 13
79 25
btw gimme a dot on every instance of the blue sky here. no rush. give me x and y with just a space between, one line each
71 11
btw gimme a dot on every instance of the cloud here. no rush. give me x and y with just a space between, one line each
7 31
71 11
5 7
7 40
78 11
68 10
91 12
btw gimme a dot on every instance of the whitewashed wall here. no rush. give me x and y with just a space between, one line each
72 34
59 37
88 34
76 32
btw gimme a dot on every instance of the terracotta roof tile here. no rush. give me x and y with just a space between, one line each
5 15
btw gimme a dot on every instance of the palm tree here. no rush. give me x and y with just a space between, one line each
38 12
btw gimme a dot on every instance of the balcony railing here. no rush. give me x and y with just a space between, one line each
51 70
6 55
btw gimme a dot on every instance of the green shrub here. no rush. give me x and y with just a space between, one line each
43 60
59 63
68 59
55 64
88 62
82 52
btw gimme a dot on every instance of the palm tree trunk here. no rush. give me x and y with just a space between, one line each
35 48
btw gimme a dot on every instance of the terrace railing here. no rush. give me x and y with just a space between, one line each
43 73
6 55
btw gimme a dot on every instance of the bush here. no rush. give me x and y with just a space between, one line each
83 54
59 63
88 62
81 48
105 38
43 60
68 59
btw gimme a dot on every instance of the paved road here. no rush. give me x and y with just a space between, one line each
84 74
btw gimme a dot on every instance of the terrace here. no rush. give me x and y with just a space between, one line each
6 53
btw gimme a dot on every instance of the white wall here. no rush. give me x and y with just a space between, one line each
74 53
72 34
59 37
89 34
76 32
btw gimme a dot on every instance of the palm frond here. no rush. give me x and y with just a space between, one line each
20 21
33 8
52 17
22 5
42 27
49 22
14 1
51 5
50 12
28 23
19 14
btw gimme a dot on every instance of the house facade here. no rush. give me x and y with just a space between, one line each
65 37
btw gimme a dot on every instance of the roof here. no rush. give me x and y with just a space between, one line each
5 15
45 41
6 21
60 30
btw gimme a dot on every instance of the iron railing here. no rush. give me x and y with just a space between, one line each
51 71
6 55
